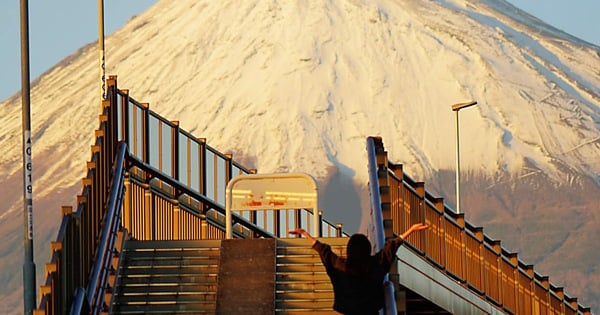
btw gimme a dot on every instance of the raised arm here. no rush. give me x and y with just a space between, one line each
414 228
304 233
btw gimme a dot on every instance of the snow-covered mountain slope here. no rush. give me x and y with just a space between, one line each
299 85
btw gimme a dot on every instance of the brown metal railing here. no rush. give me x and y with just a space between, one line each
92 298
174 190
78 237
465 253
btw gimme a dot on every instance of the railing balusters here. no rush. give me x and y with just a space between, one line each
467 254
456 247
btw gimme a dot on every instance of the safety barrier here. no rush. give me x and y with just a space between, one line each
379 218
77 242
463 251
93 298
174 190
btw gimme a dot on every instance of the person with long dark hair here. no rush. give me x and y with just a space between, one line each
358 278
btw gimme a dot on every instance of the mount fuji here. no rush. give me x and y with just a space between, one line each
297 86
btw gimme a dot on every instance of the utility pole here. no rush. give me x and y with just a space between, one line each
28 263
102 53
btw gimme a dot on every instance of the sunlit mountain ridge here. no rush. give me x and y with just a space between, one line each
299 85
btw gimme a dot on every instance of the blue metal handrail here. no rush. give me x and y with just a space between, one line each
377 220
92 298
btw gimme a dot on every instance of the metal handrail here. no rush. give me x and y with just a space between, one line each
94 292
138 160
390 302
496 281
194 194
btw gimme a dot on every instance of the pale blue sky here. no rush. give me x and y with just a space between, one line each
58 28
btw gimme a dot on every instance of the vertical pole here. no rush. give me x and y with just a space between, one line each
457 108
101 50
28 263
457 166
320 220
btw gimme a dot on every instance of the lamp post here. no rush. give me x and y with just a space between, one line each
456 108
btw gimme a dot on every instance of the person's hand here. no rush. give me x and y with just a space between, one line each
419 227
302 232
297 232
414 228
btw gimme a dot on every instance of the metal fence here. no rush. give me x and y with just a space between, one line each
463 251
78 240
174 190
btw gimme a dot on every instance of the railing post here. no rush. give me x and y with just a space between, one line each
127 202
66 264
159 145
148 211
560 293
203 227
475 277
228 167
493 287
79 245
460 219
440 223
523 298
545 285
145 133
417 215
398 205
338 230
176 221
202 168
228 175
320 213
509 272
125 120
277 222
175 150
298 218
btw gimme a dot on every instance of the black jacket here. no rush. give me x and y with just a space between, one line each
358 294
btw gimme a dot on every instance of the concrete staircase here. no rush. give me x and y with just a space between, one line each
302 285
219 277
167 277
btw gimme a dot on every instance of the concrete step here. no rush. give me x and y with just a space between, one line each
169 288
302 284
154 271
168 277
156 308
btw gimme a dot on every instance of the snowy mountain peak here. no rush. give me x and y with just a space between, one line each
298 86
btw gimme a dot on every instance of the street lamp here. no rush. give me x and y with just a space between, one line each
456 108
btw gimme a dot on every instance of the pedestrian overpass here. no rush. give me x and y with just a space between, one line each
151 234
